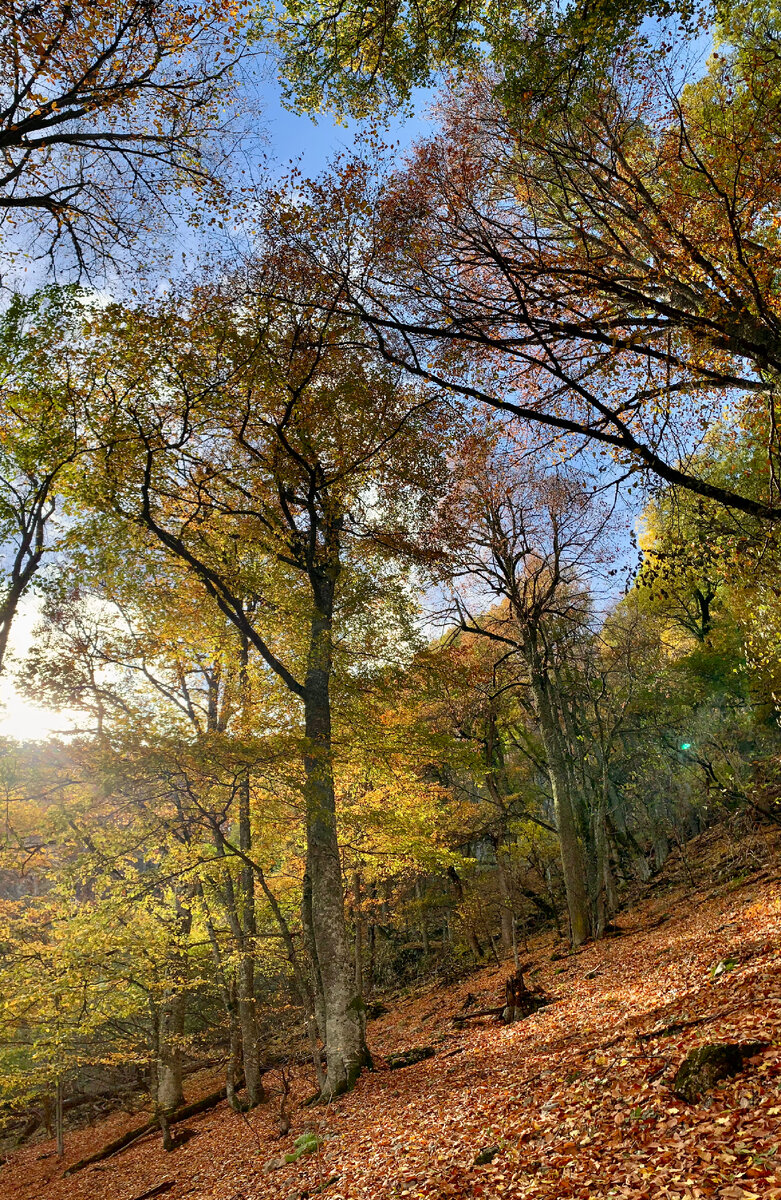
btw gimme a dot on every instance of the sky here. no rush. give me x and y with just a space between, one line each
285 137
293 136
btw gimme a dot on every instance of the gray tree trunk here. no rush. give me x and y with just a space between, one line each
304 992
58 1117
246 971
343 1030
308 927
419 896
358 923
506 912
571 854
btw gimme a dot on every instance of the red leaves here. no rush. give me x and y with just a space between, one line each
573 1099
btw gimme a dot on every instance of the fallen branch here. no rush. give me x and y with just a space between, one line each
120 1143
679 1026
481 1012
157 1191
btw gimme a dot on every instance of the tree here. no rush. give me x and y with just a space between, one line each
261 448
98 965
605 269
167 681
355 57
106 113
527 540
42 435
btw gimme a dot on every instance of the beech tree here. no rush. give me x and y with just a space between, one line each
356 56
260 447
603 268
121 643
106 113
528 540
43 438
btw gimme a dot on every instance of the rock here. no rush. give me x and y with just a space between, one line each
375 1009
407 1058
486 1155
273 1164
703 1068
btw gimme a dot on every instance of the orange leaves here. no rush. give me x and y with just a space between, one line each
568 1095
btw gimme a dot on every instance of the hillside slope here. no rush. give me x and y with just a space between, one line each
576 1098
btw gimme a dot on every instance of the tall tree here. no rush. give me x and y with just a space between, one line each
529 538
42 436
261 447
602 264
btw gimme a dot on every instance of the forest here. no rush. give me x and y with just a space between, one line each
390 600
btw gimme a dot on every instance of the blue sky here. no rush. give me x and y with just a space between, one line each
314 141
284 137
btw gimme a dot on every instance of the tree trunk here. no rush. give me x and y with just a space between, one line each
471 936
230 1003
304 992
358 922
170 1029
246 971
423 920
232 1070
169 1055
602 863
372 938
308 927
168 1075
58 1118
507 915
571 855
343 1033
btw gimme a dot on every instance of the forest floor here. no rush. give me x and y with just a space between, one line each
576 1097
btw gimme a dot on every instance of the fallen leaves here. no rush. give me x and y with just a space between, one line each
575 1099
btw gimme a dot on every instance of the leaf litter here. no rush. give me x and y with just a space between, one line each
576 1097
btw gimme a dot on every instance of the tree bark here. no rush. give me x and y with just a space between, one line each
571 855
419 896
169 1031
246 971
358 922
343 1033
307 924
304 992
507 915
227 981
58 1118
471 936
372 938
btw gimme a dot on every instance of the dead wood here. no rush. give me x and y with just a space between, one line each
133 1135
459 1018
157 1191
